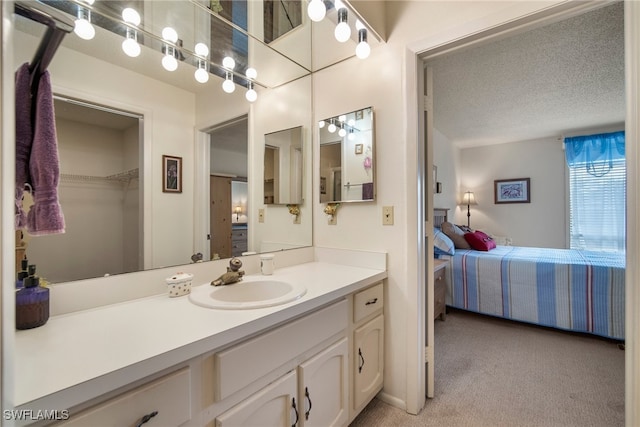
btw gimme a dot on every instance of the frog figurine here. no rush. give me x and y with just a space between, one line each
233 274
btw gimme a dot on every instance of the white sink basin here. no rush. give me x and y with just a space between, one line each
247 294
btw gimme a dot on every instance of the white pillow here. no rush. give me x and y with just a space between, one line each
442 244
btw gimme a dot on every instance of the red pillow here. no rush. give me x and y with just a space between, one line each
480 241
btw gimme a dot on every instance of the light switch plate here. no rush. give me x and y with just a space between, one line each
387 215
260 215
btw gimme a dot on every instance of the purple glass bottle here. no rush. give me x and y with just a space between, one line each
32 302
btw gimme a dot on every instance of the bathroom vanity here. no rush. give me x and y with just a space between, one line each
315 361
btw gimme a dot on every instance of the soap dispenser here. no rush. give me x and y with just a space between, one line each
32 302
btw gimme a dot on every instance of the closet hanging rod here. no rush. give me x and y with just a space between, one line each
58 25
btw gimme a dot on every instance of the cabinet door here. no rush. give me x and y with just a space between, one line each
323 387
368 361
274 405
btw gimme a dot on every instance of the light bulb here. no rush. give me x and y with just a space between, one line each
351 136
251 73
351 122
342 31
201 49
251 95
169 34
228 63
83 27
363 49
201 75
316 10
331 128
170 63
131 47
342 118
321 124
342 132
228 85
131 16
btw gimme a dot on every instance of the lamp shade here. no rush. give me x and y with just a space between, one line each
468 198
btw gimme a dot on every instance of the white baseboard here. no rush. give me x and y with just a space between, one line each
392 400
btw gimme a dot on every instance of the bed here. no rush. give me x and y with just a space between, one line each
574 290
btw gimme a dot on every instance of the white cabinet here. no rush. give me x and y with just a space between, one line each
313 394
275 405
165 402
368 364
324 387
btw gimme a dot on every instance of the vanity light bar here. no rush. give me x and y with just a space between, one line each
172 50
317 10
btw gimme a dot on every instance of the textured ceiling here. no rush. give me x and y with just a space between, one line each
551 81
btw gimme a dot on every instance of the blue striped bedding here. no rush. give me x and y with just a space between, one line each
580 291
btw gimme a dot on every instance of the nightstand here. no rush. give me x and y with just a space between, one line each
439 288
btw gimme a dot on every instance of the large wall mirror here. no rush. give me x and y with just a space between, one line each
347 162
168 113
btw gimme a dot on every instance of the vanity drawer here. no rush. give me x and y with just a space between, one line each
170 396
242 364
367 302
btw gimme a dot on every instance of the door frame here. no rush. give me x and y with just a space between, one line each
418 159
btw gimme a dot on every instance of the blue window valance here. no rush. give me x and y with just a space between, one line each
595 152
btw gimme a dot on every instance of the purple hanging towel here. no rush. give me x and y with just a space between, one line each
24 138
45 216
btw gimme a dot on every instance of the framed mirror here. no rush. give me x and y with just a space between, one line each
283 167
347 161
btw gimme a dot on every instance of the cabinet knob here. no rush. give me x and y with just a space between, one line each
146 418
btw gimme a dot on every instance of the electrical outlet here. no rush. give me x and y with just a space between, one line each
387 215
260 215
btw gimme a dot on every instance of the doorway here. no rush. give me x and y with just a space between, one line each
228 197
430 49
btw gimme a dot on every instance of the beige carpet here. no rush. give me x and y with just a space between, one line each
492 372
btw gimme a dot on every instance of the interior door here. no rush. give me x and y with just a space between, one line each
220 216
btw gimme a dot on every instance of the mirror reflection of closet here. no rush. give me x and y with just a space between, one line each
100 193
228 208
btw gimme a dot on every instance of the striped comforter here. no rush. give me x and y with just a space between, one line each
574 290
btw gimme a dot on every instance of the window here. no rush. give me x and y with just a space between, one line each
597 186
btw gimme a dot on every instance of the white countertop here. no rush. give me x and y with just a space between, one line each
78 356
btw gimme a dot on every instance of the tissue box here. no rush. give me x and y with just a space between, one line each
179 284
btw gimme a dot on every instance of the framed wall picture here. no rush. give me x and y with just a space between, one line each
358 148
172 174
516 190
323 185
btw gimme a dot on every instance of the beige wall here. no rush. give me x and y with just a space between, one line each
542 222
